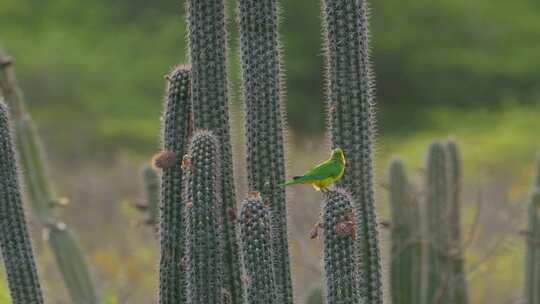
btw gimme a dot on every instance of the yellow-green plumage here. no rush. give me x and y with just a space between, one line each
324 174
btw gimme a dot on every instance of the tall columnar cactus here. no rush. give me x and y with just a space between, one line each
207 52
14 239
457 281
532 262
437 270
40 192
340 268
262 92
351 119
257 252
204 243
151 185
176 132
406 250
77 279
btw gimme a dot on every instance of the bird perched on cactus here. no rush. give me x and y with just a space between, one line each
324 174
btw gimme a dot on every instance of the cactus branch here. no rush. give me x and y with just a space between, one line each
262 92
340 268
15 242
176 132
406 250
207 53
204 248
352 124
257 252
40 190
532 259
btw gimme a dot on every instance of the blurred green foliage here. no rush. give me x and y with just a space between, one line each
92 69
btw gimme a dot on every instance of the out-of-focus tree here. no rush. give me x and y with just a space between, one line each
92 65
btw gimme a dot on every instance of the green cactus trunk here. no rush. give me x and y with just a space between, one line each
207 53
257 253
340 268
176 132
458 283
151 185
532 262
351 120
40 191
76 278
204 232
262 92
15 242
437 250
406 250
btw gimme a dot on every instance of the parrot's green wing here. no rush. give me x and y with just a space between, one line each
326 170
322 171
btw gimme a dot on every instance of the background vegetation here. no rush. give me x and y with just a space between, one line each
92 73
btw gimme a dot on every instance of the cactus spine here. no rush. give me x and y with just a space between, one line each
351 120
437 271
14 238
204 247
257 252
340 267
532 262
40 192
261 75
176 132
207 52
406 250
458 283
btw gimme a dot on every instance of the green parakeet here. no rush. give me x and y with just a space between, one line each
324 174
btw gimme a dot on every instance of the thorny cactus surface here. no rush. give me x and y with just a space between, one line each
262 92
437 270
204 232
77 278
15 243
351 119
406 250
257 252
457 281
176 132
207 55
340 268
151 186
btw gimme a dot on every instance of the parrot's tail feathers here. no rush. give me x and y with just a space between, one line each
295 180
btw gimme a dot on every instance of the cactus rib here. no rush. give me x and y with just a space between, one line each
176 131
457 272
406 250
351 121
262 92
204 240
257 253
15 242
437 271
340 267
152 186
207 53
